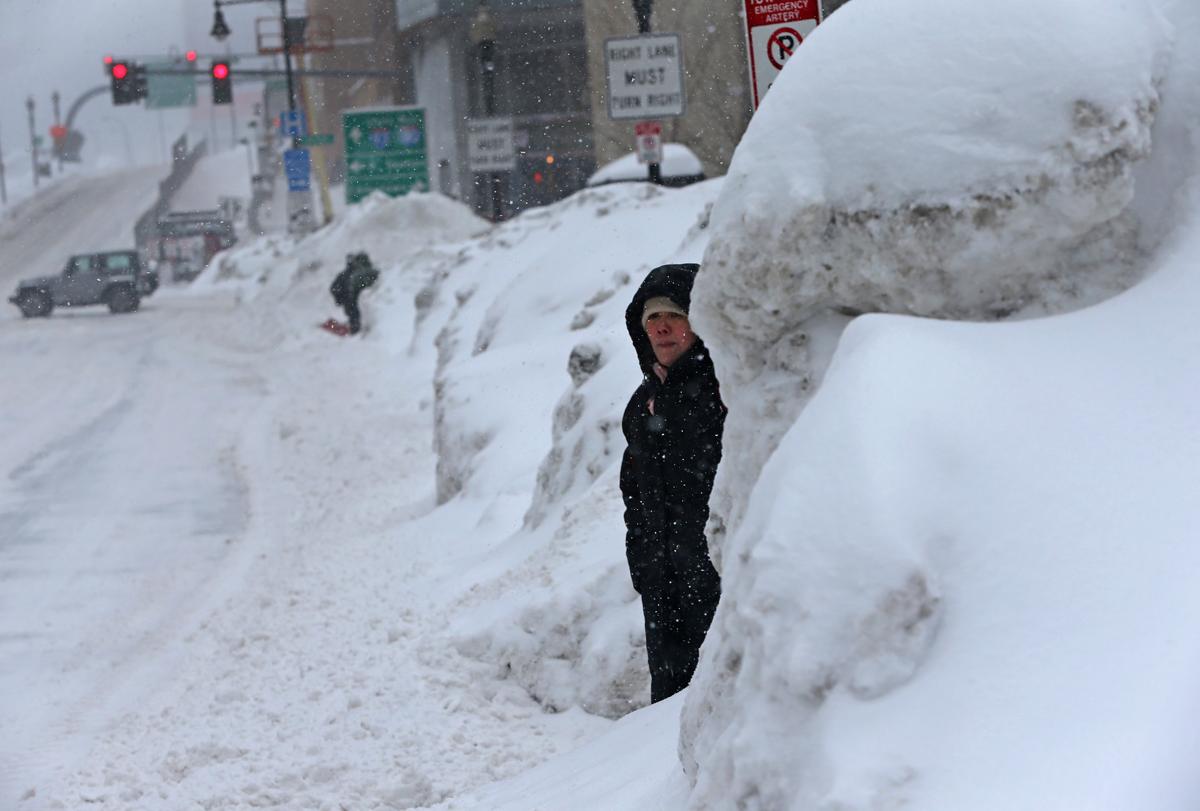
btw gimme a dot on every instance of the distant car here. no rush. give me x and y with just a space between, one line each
117 279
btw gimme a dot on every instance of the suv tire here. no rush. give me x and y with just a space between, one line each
122 299
35 304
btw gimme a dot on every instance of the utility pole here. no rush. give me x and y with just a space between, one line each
33 150
643 9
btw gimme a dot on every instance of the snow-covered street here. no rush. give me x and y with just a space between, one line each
122 500
186 516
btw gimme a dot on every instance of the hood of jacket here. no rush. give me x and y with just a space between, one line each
672 281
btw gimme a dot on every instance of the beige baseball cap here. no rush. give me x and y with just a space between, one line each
660 304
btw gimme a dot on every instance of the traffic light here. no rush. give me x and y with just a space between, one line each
121 74
129 84
222 83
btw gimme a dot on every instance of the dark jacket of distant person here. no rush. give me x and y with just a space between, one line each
358 275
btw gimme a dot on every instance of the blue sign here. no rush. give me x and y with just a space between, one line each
298 168
381 138
411 135
292 124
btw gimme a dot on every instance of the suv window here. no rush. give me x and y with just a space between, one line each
117 262
79 264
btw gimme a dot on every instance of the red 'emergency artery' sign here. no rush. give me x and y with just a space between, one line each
773 12
774 29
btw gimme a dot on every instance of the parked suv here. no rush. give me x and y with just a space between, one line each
113 278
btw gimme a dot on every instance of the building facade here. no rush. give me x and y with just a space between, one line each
363 39
547 73
538 79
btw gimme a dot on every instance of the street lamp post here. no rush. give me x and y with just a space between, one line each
642 9
221 31
483 34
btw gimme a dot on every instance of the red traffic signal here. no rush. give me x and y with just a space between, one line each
124 84
222 83
190 56
129 81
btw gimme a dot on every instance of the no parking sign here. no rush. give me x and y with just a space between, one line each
774 30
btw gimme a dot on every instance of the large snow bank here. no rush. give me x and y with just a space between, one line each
977 162
961 580
534 369
960 571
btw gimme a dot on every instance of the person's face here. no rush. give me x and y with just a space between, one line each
671 336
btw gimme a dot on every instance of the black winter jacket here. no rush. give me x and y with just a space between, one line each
668 468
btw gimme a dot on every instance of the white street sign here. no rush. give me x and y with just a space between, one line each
490 146
645 76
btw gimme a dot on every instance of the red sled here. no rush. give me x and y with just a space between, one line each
336 327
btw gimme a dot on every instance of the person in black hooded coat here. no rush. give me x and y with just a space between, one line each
673 427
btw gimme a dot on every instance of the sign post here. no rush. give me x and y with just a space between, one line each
385 150
774 30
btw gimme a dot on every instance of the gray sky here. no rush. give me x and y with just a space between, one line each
60 44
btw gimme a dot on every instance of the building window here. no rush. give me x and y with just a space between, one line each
538 71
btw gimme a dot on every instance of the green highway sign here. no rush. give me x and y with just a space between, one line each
169 89
385 150
322 139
